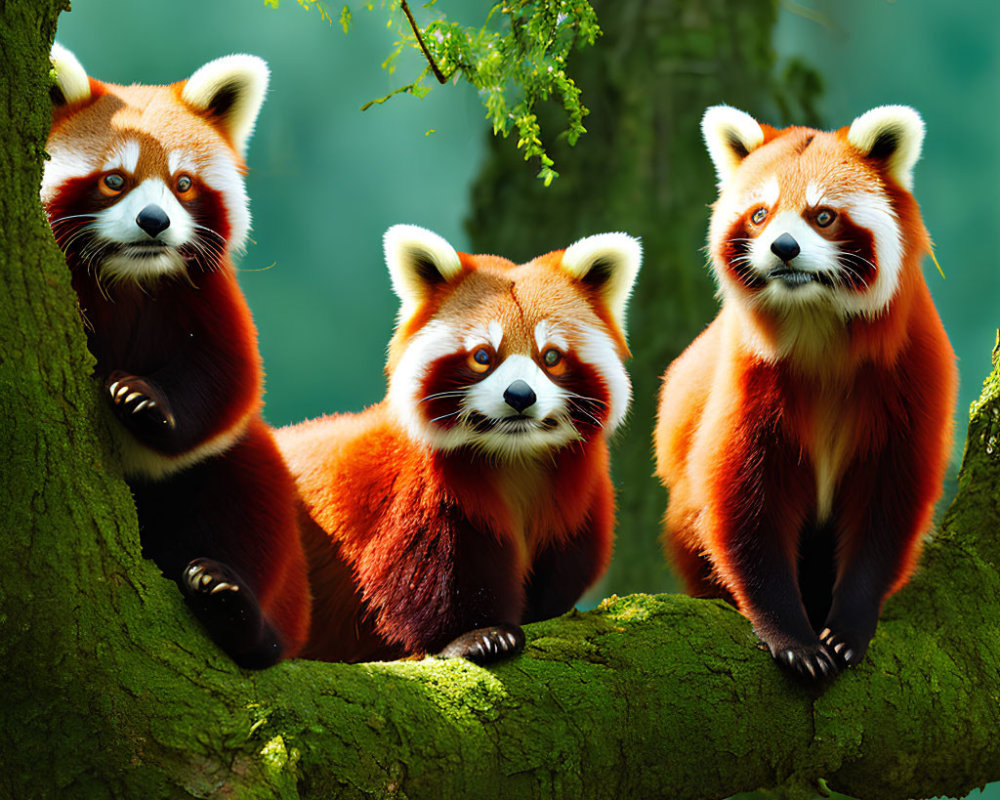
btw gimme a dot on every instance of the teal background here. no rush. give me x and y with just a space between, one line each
326 179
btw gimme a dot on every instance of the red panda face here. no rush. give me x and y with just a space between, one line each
510 361
146 181
806 219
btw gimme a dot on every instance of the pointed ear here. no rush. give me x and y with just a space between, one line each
607 263
892 135
418 260
730 135
72 84
231 90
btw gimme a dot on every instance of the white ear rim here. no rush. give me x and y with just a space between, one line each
404 245
908 126
71 77
249 75
724 127
624 252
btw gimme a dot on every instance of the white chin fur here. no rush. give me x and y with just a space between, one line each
123 267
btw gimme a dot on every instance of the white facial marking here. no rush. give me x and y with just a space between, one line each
118 224
495 330
436 340
769 192
221 174
491 335
598 350
815 195
125 156
181 161
65 163
547 334
872 211
486 397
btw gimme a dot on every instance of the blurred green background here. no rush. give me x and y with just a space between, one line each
326 179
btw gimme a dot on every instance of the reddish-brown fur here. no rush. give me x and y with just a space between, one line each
412 546
214 486
741 424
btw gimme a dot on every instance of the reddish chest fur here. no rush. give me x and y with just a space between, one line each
802 480
409 527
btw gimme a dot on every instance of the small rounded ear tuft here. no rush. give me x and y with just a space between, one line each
607 263
231 89
418 260
892 135
72 84
730 136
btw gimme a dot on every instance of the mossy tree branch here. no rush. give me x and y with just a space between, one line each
110 689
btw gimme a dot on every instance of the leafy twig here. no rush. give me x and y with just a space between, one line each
441 77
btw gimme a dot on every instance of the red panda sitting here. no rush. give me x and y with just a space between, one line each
145 195
475 497
805 434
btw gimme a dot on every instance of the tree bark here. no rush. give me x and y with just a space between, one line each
110 690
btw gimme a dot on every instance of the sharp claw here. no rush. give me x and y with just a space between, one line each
123 389
848 655
113 387
823 634
223 587
838 647
132 396
141 406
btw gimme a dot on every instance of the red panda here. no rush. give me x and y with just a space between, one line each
476 496
804 435
145 195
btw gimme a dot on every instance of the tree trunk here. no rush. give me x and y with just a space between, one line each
110 690
641 168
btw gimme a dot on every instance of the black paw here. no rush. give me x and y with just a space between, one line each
843 648
229 610
486 645
139 405
810 664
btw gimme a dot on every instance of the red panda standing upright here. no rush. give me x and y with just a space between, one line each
476 496
805 434
145 195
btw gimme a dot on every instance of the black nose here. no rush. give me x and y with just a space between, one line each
153 219
785 247
519 396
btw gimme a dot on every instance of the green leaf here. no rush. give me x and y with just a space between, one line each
517 59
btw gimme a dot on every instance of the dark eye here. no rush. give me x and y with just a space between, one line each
825 217
758 216
183 184
481 359
553 360
112 183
